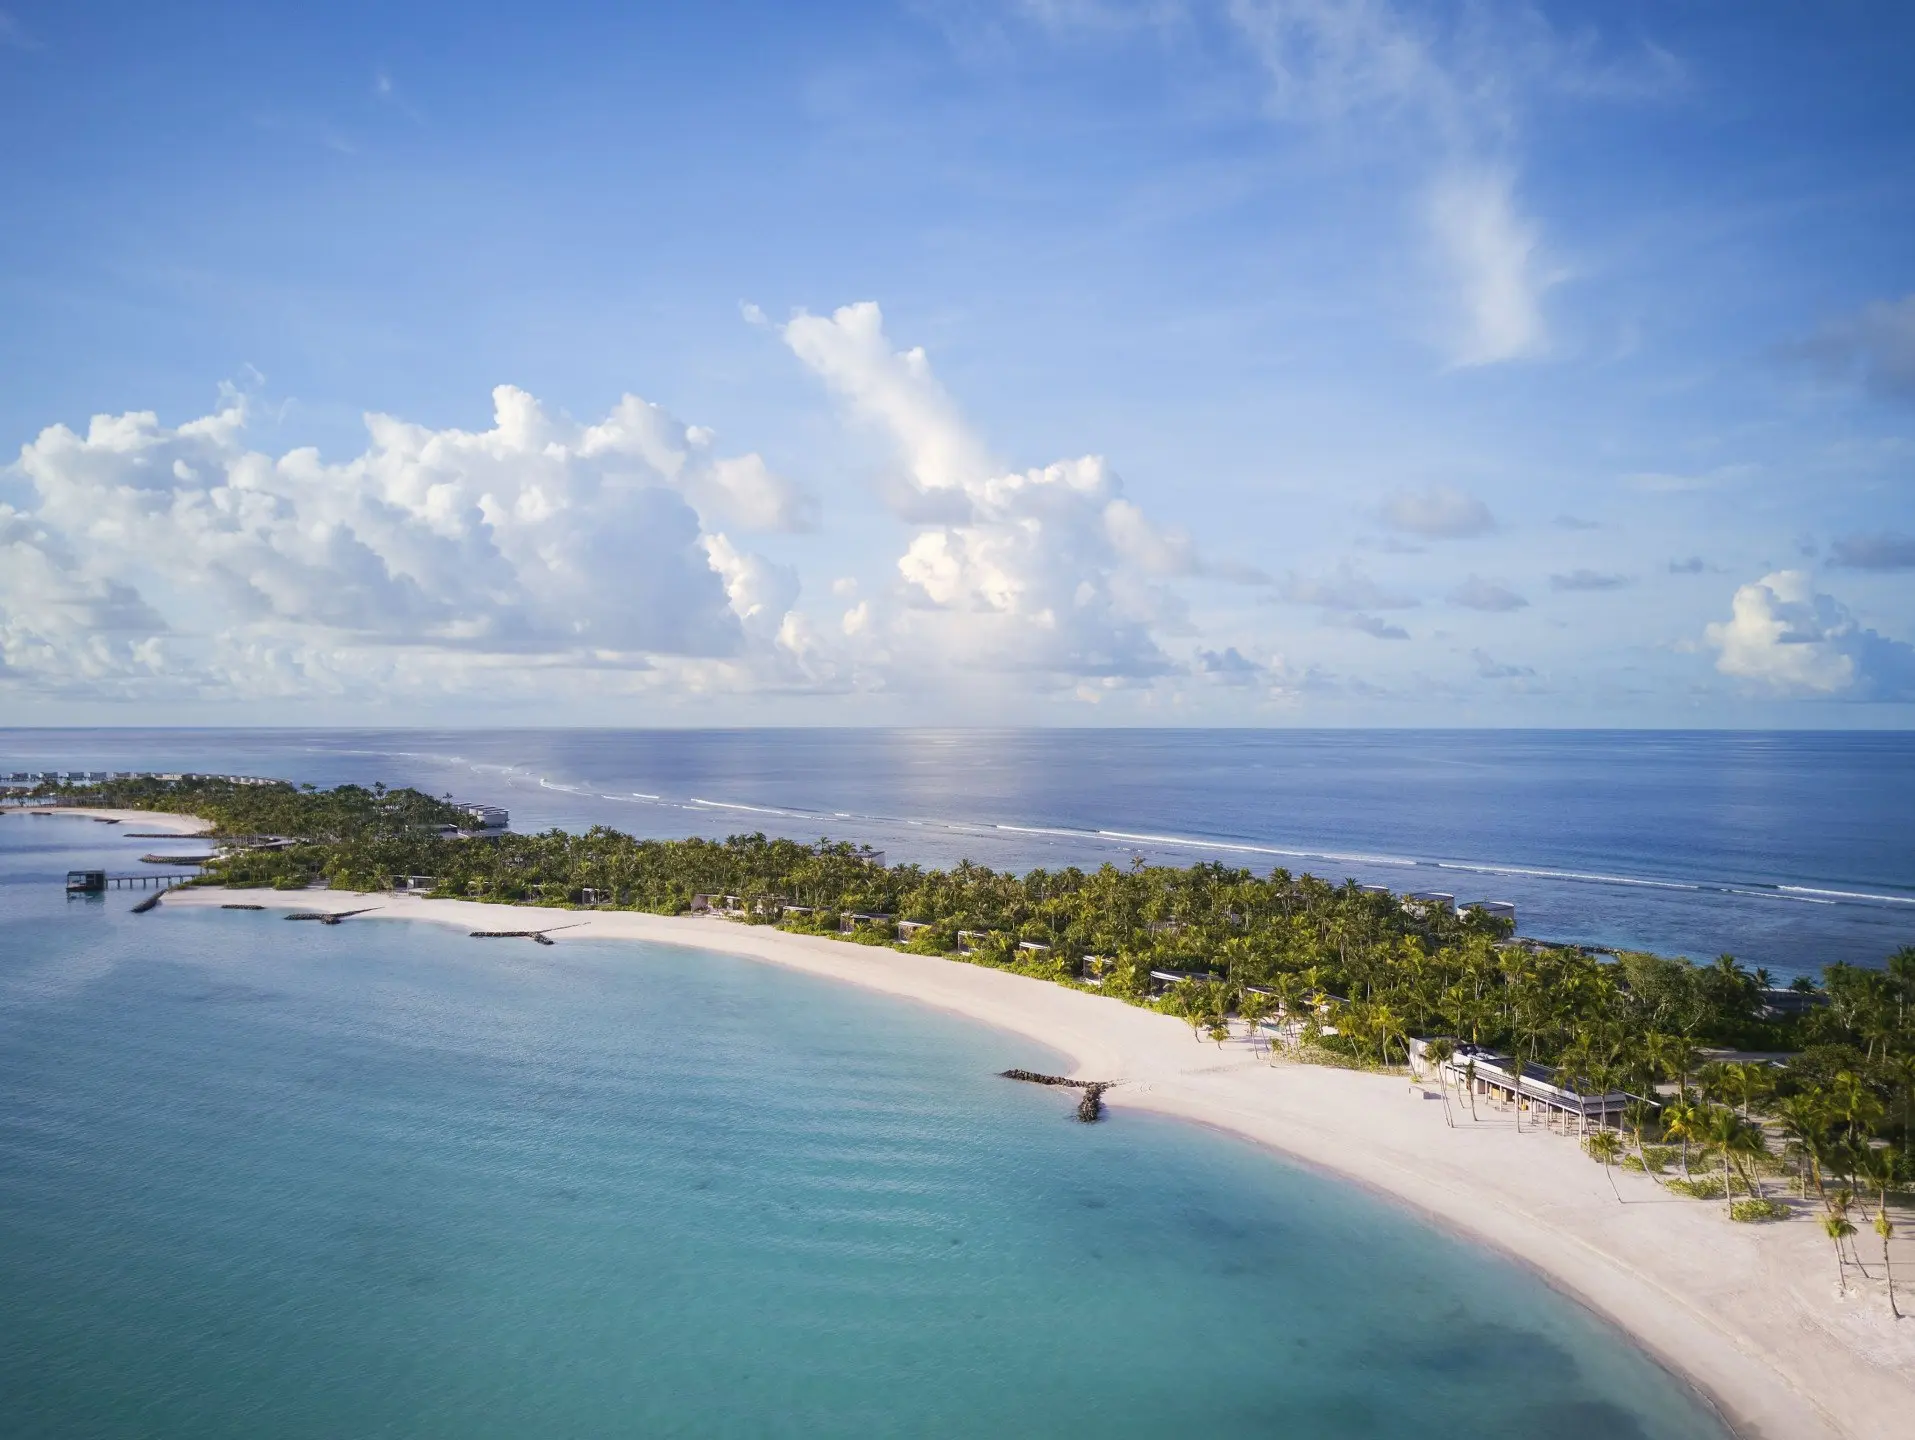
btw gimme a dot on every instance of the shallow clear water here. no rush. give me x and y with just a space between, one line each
1788 850
270 1179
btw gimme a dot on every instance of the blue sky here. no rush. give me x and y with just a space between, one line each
1229 361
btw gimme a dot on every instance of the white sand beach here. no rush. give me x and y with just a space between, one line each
1749 1313
148 821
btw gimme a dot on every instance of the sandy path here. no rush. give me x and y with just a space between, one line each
1748 1312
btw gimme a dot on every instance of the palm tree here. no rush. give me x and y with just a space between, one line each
1605 1145
1723 1131
1636 1116
1673 1057
1805 1122
1885 1227
1747 1144
1683 1119
1836 1226
1253 1009
1388 1029
1841 1201
1750 1079
1881 1169
1901 1070
1437 1052
1850 1098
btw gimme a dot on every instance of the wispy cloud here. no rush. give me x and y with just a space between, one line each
1887 550
1587 580
1450 89
1228 667
1477 593
1490 668
1346 589
1436 513
1374 625
1668 482
1492 252
1875 346
13 35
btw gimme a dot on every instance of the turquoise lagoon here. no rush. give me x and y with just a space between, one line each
380 1179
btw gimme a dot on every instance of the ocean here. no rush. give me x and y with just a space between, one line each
260 1179
1787 850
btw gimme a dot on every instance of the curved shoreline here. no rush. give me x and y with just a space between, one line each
167 820
1743 1313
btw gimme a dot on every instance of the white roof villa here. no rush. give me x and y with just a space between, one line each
1505 1080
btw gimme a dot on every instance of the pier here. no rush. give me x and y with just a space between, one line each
96 882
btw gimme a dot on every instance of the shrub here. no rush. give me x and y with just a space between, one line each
1758 1210
1707 1187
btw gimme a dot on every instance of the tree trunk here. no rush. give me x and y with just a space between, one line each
1890 1273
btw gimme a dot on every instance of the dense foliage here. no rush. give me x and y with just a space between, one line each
347 815
1358 971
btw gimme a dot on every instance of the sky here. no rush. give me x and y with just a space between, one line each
1059 362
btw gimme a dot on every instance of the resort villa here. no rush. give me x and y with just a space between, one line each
1507 1082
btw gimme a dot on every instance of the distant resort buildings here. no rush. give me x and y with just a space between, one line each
33 779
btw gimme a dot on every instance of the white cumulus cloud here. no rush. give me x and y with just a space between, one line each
1046 570
182 555
1785 636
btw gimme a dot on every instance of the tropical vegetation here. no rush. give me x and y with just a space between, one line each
1810 1087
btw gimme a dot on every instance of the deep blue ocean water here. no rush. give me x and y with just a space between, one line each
1788 850
260 1179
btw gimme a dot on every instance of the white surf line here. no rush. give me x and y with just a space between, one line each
1586 877
1801 894
1849 895
754 809
1351 859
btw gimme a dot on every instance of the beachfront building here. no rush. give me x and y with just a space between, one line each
1163 980
1507 1082
908 929
487 817
850 920
1495 909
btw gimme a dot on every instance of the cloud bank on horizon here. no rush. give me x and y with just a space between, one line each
1369 362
